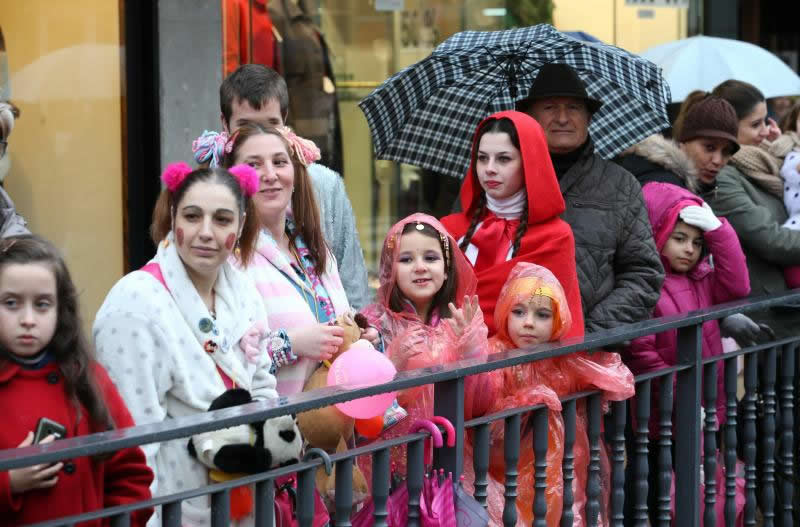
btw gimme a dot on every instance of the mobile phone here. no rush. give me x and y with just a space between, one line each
46 427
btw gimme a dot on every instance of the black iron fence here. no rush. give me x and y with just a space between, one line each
760 429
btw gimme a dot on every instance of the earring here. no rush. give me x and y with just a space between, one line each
165 243
237 251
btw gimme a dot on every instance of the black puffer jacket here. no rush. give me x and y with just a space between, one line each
619 270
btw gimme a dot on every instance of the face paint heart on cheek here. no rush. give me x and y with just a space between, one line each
229 241
179 236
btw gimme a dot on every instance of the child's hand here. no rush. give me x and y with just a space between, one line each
462 318
410 345
37 476
774 131
316 342
371 334
701 217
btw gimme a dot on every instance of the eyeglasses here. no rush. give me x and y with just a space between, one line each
3 148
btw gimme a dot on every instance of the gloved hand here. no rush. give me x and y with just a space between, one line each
742 328
701 217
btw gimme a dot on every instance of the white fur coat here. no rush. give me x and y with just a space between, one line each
149 337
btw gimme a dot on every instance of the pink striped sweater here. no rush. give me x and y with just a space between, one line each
286 307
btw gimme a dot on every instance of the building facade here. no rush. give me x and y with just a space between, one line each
111 91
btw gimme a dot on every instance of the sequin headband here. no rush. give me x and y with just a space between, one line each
175 173
541 290
442 236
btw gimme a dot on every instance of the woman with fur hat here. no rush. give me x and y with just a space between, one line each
705 141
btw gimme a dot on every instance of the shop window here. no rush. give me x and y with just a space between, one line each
359 43
60 64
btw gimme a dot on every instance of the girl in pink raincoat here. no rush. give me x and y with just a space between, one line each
426 311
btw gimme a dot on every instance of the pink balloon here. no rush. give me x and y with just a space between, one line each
361 366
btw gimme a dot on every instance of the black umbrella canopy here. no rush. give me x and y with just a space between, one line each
426 114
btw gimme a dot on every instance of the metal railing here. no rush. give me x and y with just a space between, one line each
769 436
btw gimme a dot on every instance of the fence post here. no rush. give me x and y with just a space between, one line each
787 372
767 436
171 514
448 402
220 508
568 465
265 504
687 427
619 413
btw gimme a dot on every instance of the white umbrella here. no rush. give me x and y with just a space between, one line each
700 63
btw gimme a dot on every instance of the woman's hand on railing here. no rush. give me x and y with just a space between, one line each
35 477
316 342
462 317
744 330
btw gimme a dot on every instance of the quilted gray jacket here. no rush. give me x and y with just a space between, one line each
619 270
339 228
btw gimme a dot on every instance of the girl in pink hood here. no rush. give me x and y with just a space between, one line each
704 266
689 237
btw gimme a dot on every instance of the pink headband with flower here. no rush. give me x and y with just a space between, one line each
175 173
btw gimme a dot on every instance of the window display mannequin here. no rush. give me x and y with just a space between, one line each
303 60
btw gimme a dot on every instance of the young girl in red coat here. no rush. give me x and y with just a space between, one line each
46 371
512 203
704 265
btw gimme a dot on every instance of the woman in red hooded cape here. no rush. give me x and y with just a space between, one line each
505 224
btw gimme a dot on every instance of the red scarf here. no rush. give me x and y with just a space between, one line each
493 241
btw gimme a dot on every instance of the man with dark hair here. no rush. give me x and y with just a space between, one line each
619 269
256 93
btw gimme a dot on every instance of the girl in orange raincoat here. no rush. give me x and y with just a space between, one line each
532 309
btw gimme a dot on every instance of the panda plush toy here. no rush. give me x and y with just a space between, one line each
233 452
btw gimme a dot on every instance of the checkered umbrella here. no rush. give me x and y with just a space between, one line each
426 114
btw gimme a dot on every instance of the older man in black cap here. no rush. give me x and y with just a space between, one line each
619 269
